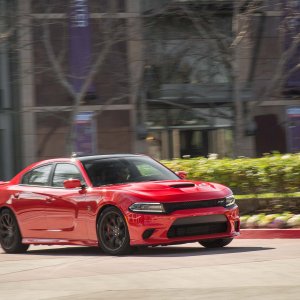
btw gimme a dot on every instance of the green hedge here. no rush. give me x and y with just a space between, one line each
271 173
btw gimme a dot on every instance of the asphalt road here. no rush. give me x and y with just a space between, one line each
246 269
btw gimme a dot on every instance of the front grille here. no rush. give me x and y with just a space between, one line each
171 207
196 229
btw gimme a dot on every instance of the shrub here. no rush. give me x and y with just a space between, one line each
271 173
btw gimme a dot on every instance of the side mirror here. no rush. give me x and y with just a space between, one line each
181 174
72 183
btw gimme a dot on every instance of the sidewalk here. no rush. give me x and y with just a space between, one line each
293 233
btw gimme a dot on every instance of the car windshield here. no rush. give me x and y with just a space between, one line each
126 169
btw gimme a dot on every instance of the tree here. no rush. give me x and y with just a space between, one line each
113 33
200 51
209 48
7 28
103 78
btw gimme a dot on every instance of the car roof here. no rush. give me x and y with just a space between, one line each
79 158
97 157
82 159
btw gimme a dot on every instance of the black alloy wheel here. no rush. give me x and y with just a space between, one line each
113 233
10 236
216 243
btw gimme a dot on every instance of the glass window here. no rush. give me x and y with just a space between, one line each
126 169
64 172
38 176
147 170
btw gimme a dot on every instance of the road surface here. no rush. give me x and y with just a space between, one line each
246 269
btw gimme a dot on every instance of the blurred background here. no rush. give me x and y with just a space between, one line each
163 77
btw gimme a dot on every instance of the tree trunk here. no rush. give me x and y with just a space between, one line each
237 101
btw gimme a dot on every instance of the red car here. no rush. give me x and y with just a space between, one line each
115 202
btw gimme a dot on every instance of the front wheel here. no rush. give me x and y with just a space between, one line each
113 233
216 243
10 236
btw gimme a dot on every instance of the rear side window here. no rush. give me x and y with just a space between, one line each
38 176
64 172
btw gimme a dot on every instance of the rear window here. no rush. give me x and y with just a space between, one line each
38 176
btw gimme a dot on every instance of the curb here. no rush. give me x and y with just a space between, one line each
270 234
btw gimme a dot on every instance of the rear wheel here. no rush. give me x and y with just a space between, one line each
113 233
216 243
10 236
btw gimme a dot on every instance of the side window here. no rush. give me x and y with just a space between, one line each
64 172
38 176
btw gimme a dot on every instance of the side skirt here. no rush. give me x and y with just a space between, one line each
35 241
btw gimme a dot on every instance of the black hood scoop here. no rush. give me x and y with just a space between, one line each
182 185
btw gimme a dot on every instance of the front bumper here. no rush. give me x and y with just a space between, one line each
183 226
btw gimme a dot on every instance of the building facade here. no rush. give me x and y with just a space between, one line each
172 79
189 85
219 78
53 72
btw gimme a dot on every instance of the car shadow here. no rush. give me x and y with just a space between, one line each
166 251
193 251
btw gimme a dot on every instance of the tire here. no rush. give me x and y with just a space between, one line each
216 243
10 236
112 230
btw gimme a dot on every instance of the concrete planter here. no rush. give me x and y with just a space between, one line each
271 205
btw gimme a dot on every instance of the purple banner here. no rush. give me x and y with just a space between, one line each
292 26
293 115
80 44
85 143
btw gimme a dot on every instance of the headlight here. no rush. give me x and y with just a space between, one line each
144 207
230 200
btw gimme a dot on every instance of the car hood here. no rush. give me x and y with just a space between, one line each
173 190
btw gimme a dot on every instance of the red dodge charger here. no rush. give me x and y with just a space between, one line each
115 202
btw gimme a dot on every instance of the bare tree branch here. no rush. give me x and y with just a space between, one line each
279 78
57 68
4 36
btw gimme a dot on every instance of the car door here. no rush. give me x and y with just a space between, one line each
64 211
30 200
